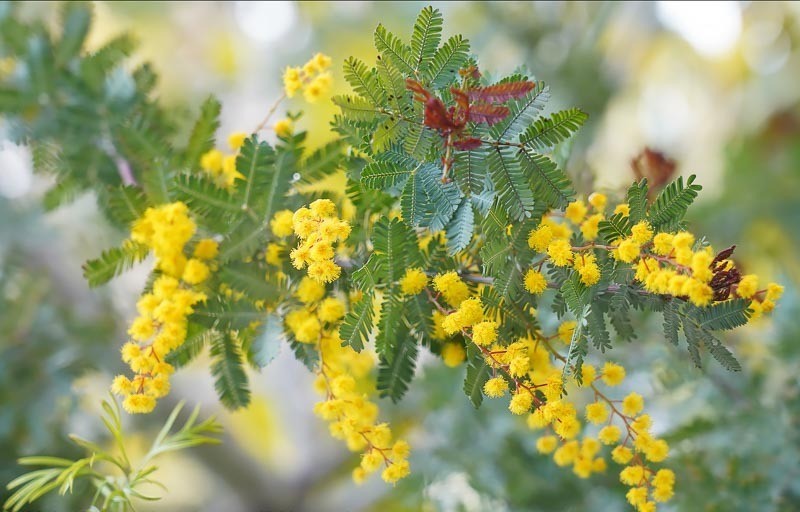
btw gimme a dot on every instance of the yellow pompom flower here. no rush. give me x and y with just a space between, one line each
565 330
591 226
701 266
453 354
641 233
452 288
236 139
309 291
281 223
206 249
139 403
484 333
560 252
292 81
657 450
596 413
195 272
609 434
535 282
748 286
632 404
546 444
413 281
211 161
521 402
613 374
662 243
540 238
495 387
598 201
623 209
330 310
774 292
283 127
396 471
321 61
622 454
575 211
586 265
627 250
325 271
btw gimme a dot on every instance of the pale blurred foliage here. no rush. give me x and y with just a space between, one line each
645 85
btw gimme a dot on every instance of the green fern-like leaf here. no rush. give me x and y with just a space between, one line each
637 201
356 107
322 162
446 62
426 201
670 206
546 132
514 193
357 324
395 373
382 175
197 338
203 196
522 113
125 204
364 81
113 262
614 228
255 161
425 37
459 231
230 379
726 315
549 183
394 50
478 372
201 139
672 322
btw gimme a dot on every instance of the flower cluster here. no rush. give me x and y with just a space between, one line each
221 167
665 263
312 78
343 378
163 311
318 228
527 369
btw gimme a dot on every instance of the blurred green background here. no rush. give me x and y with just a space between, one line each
712 85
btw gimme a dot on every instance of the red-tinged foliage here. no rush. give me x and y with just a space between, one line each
500 93
420 93
467 144
656 167
724 279
487 113
438 117
480 105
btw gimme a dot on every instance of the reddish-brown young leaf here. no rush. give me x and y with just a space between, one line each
500 93
486 113
420 94
437 116
467 144
461 98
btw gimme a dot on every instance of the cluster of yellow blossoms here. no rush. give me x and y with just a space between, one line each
313 78
665 263
526 369
221 167
163 311
318 228
343 375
